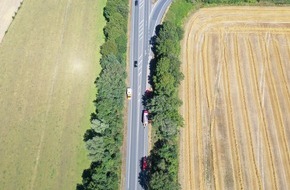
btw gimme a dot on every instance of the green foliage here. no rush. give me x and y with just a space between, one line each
111 85
116 6
104 138
95 144
109 47
99 176
116 14
168 39
163 166
179 9
163 108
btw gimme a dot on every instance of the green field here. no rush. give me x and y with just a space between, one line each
48 64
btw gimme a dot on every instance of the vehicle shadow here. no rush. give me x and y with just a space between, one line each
143 179
143 174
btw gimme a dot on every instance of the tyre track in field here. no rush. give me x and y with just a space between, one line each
281 130
212 115
245 110
256 91
266 57
205 75
286 91
197 75
231 127
189 132
198 122
202 28
190 128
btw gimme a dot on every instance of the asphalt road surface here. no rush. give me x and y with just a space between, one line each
145 17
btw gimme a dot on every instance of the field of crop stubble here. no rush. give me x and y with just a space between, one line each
236 96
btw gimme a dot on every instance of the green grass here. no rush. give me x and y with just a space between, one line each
48 64
178 11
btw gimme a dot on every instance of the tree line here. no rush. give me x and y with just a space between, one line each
104 139
164 108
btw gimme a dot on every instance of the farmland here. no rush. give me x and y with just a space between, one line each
236 96
48 64
7 12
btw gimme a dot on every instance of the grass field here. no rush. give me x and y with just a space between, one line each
236 99
48 64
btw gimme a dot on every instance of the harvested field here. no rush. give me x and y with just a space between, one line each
236 96
48 65
8 8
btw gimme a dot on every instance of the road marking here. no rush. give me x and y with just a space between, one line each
141 4
141 22
141 34
137 141
130 142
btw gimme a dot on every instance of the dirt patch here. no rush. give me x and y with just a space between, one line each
236 99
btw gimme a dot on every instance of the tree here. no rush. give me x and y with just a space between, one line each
109 47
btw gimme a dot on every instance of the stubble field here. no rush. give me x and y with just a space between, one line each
48 64
236 96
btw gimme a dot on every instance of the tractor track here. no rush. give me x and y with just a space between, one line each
245 110
231 125
211 113
258 101
267 75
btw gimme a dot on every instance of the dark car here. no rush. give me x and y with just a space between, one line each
135 63
136 2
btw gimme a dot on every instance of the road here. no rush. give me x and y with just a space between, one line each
145 17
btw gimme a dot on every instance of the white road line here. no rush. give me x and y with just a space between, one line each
141 4
129 151
140 34
141 27
137 140
141 22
